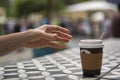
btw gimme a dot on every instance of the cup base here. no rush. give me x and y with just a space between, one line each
91 73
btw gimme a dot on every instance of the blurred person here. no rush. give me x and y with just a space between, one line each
32 25
74 27
17 26
20 26
6 28
85 28
70 26
23 25
44 20
43 36
9 26
105 25
62 21
92 29
115 24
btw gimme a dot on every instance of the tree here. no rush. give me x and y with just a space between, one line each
25 7
70 2
5 4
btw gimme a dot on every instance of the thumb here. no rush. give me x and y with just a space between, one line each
49 36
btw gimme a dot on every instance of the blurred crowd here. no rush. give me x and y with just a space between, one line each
80 27
88 27
13 26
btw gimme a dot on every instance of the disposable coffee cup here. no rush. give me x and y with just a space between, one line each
91 52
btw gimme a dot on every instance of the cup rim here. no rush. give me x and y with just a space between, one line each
91 46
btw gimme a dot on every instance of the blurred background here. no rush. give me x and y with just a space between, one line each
84 18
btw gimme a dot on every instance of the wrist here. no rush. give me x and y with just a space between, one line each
29 35
24 37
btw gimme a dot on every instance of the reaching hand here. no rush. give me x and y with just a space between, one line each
44 36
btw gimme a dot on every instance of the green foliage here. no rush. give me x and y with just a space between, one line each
58 5
70 2
5 4
25 7
82 0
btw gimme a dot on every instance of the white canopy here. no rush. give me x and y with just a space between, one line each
92 6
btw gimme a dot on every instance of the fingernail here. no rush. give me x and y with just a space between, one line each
70 37
54 36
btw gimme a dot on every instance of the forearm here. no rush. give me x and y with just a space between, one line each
34 38
12 42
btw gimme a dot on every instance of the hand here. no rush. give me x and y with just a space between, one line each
44 36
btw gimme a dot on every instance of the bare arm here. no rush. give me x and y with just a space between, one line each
11 42
34 38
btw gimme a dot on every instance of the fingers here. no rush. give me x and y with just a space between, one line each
55 33
60 39
43 43
49 36
63 35
56 28
55 37
54 45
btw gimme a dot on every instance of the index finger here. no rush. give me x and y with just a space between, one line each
57 28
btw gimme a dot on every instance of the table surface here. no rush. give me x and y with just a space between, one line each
64 65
